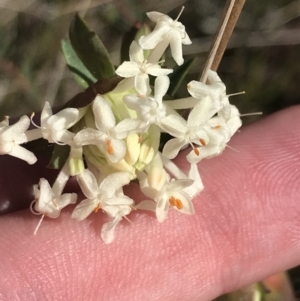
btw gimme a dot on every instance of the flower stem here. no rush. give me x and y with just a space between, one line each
228 21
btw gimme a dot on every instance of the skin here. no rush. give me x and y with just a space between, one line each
246 227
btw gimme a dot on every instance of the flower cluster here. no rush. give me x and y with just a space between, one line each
116 138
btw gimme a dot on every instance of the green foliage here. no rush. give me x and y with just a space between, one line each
90 49
81 74
59 156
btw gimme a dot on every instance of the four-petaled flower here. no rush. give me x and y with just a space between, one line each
11 136
108 196
108 136
167 31
138 69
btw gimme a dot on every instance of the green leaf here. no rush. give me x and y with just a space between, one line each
59 156
90 49
81 74
178 76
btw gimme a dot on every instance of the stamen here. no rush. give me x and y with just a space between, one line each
39 224
109 147
31 118
128 220
54 202
97 208
234 149
217 127
202 141
234 94
182 9
176 202
196 151
251 114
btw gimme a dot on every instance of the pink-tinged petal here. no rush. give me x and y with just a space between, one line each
187 204
172 147
146 205
115 181
17 129
88 136
176 47
88 184
46 112
141 84
114 149
161 86
174 125
126 127
104 117
155 16
108 230
157 35
202 111
128 69
156 70
63 119
162 208
23 154
84 209
136 53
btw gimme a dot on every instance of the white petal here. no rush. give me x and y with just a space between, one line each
176 47
128 69
161 86
146 205
141 84
186 40
66 199
64 119
84 209
155 16
23 154
156 70
121 200
115 181
204 152
156 36
108 230
17 129
115 150
172 148
126 127
88 136
45 204
46 112
188 207
136 53
104 117
162 208
174 125
88 184
197 186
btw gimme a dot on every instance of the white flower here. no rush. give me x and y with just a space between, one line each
166 194
11 136
150 110
190 131
108 136
55 127
47 203
215 89
108 196
167 31
139 69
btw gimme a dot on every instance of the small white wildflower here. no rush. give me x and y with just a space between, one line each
139 69
108 136
190 131
55 127
11 136
166 193
150 110
48 204
167 31
108 196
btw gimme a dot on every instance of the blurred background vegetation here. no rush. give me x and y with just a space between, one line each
262 57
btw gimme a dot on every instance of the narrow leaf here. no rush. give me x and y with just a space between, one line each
81 74
90 49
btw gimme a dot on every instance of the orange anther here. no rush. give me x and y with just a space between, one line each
196 151
175 202
202 141
140 139
217 127
97 208
109 147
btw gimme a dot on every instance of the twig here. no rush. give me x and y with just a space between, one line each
230 16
